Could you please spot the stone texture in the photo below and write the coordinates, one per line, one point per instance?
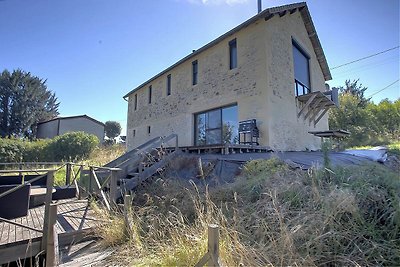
(262, 87)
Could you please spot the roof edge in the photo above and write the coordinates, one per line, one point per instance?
(267, 13)
(72, 117)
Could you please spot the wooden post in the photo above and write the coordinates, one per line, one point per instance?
(80, 181)
(91, 180)
(47, 203)
(113, 187)
(52, 238)
(200, 167)
(127, 208)
(211, 258)
(213, 244)
(68, 173)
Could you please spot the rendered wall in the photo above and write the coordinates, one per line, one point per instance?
(47, 129)
(82, 124)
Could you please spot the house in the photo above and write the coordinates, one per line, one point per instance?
(270, 68)
(60, 125)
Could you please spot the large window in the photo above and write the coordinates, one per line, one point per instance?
(194, 72)
(217, 126)
(232, 54)
(301, 71)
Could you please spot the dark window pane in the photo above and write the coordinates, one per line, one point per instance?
(169, 84)
(301, 67)
(201, 129)
(214, 119)
(230, 125)
(194, 72)
(232, 54)
(135, 102)
(213, 137)
(150, 89)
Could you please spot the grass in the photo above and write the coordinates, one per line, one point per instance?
(270, 216)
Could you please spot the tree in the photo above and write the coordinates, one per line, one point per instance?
(112, 129)
(357, 90)
(24, 101)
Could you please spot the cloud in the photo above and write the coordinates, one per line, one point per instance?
(217, 2)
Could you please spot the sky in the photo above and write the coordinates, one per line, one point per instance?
(93, 52)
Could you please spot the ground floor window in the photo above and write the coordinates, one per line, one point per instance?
(217, 126)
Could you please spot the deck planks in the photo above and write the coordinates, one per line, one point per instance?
(71, 216)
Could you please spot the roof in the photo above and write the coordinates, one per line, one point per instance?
(72, 117)
(266, 14)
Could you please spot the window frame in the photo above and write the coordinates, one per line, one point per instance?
(233, 54)
(168, 84)
(299, 85)
(135, 102)
(210, 129)
(195, 72)
(150, 94)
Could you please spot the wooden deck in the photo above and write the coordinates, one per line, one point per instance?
(75, 220)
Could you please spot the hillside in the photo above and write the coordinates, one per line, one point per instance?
(271, 215)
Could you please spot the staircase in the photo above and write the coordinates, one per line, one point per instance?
(143, 162)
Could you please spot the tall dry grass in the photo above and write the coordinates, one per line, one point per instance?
(270, 216)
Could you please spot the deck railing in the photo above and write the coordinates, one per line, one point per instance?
(73, 173)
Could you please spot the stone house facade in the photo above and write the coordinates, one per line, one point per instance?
(255, 71)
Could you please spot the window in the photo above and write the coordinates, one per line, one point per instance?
(150, 89)
(194, 72)
(134, 133)
(232, 54)
(148, 129)
(301, 70)
(135, 102)
(169, 84)
(217, 126)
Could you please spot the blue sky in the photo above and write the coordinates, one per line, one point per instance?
(93, 52)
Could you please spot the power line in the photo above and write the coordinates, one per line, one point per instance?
(351, 62)
(384, 88)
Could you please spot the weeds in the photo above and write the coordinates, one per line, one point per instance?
(270, 216)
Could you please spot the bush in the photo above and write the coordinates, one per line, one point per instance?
(73, 146)
(69, 146)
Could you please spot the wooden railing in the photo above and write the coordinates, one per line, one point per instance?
(49, 236)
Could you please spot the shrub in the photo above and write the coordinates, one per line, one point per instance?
(70, 146)
(73, 146)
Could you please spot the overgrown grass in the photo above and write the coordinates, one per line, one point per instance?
(270, 216)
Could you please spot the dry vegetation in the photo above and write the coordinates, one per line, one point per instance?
(270, 216)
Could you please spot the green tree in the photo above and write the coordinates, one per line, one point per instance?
(355, 89)
(24, 101)
(352, 117)
(386, 117)
(112, 129)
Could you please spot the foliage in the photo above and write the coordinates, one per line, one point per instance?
(296, 219)
(356, 90)
(112, 129)
(24, 101)
(69, 146)
(368, 123)
(73, 146)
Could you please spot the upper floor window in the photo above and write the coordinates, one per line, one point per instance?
(194, 72)
(301, 70)
(150, 89)
(135, 102)
(232, 54)
(169, 84)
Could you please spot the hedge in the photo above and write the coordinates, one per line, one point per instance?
(67, 147)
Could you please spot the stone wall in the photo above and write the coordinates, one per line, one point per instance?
(261, 86)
